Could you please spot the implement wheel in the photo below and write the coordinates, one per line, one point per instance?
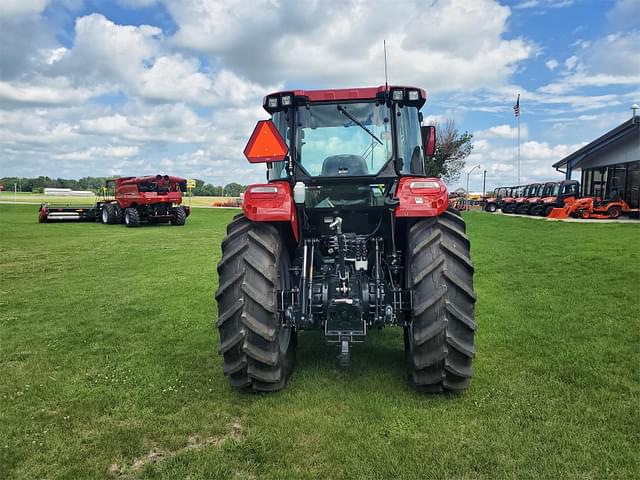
(439, 341)
(131, 217)
(258, 351)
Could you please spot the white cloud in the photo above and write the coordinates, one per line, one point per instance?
(502, 131)
(552, 64)
(44, 91)
(14, 8)
(99, 152)
(624, 15)
(456, 44)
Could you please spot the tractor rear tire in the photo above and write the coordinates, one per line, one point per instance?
(131, 217)
(108, 214)
(439, 341)
(179, 216)
(614, 212)
(258, 351)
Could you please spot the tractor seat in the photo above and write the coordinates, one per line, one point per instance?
(344, 165)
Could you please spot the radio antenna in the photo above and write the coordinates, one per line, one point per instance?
(386, 78)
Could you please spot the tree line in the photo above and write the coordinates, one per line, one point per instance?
(95, 184)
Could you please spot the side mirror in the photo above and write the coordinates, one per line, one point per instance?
(428, 139)
(266, 144)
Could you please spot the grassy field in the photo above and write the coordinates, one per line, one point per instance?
(65, 200)
(109, 364)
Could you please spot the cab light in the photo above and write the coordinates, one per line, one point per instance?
(413, 95)
(397, 95)
(285, 100)
(273, 102)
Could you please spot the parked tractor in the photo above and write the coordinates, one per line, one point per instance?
(589, 207)
(555, 195)
(129, 200)
(349, 235)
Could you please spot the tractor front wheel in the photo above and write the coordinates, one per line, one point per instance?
(258, 349)
(547, 210)
(179, 216)
(131, 217)
(439, 340)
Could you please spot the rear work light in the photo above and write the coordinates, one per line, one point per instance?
(413, 95)
(397, 95)
(285, 100)
(425, 185)
(273, 102)
(263, 189)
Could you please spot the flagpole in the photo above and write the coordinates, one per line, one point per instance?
(516, 111)
(518, 149)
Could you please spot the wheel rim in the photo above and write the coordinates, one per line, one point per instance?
(127, 219)
(105, 215)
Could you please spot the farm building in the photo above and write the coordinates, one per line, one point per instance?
(610, 165)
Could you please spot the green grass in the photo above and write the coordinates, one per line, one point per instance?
(108, 353)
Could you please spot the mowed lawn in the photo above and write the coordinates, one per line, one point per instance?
(109, 365)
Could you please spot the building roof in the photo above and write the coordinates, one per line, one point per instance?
(622, 130)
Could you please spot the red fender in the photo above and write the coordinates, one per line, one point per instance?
(421, 197)
(271, 202)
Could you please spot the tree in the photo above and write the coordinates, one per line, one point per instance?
(452, 149)
(233, 190)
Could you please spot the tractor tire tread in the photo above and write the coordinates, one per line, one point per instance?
(247, 307)
(440, 342)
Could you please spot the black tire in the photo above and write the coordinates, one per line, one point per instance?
(258, 352)
(491, 207)
(439, 341)
(131, 217)
(614, 212)
(179, 216)
(547, 210)
(108, 214)
(119, 214)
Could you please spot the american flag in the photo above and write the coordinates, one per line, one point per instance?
(516, 107)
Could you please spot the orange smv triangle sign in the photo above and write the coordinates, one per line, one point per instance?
(266, 144)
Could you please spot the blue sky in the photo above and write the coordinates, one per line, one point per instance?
(145, 86)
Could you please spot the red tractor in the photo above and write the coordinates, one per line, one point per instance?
(348, 235)
(152, 199)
